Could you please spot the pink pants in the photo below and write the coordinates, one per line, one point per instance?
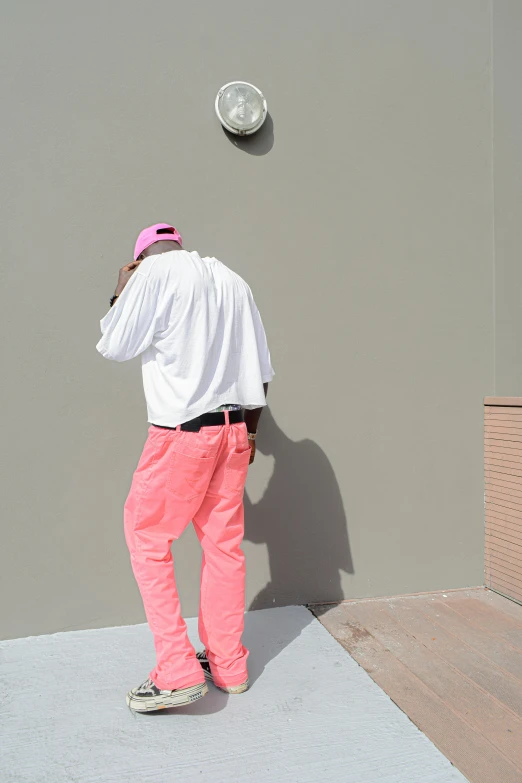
(198, 476)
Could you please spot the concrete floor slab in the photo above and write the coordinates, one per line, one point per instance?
(312, 714)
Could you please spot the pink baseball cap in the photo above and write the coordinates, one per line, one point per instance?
(153, 234)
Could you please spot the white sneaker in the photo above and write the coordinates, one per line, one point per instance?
(205, 665)
(147, 697)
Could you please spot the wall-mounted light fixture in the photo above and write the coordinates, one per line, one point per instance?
(241, 108)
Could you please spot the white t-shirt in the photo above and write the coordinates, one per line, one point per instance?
(199, 333)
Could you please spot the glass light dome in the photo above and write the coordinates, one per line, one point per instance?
(241, 108)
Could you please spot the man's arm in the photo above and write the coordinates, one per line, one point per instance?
(252, 420)
(128, 328)
(124, 276)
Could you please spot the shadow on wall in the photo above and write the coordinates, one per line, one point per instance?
(259, 143)
(302, 521)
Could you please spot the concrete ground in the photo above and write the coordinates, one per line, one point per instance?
(312, 714)
(453, 663)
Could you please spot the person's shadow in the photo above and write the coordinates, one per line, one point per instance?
(301, 519)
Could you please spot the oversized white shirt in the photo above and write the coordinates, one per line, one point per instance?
(198, 330)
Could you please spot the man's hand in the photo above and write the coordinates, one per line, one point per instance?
(125, 275)
(251, 421)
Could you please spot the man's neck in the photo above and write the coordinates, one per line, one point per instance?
(164, 246)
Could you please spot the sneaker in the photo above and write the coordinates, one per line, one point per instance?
(205, 665)
(147, 697)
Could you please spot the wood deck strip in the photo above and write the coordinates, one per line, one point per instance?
(488, 600)
(453, 663)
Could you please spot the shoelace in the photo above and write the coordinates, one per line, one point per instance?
(146, 686)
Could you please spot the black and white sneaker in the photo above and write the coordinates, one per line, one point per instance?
(205, 665)
(147, 697)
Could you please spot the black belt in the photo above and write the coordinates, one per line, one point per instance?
(207, 420)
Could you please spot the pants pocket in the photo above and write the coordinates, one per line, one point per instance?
(236, 470)
(189, 476)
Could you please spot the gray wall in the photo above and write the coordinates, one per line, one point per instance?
(362, 217)
(507, 31)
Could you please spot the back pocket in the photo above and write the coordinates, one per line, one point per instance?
(236, 470)
(189, 476)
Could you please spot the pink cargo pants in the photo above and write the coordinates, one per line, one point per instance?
(198, 477)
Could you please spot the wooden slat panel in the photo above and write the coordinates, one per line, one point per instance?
(503, 517)
(498, 434)
(503, 495)
(502, 419)
(512, 491)
(492, 561)
(502, 423)
(492, 555)
(499, 455)
(512, 502)
(503, 470)
(503, 426)
(502, 451)
(498, 481)
(501, 498)
(511, 579)
(504, 531)
(501, 444)
(492, 464)
(509, 436)
(508, 448)
(490, 413)
(498, 475)
(509, 481)
(503, 416)
(495, 437)
(512, 414)
(503, 401)
(504, 505)
(510, 466)
(493, 575)
(503, 573)
(497, 564)
(501, 535)
(500, 408)
(503, 549)
(506, 580)
(510, 560)
(509, 456)
(502, 594)
(506, 588)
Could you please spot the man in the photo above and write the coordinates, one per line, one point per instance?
(206, 369)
